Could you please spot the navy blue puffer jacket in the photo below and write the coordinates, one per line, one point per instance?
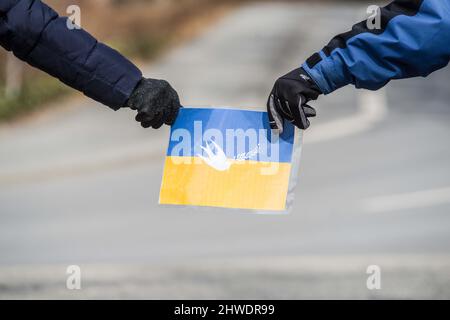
(37, 35)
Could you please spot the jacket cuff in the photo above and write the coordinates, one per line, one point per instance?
(329, 73)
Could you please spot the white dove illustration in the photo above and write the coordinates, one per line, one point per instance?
(217, 158)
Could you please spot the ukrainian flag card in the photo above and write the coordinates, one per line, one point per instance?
(227, 158)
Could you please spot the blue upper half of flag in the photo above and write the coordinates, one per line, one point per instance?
(241, 134)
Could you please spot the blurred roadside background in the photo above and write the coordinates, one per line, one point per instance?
(79, 183)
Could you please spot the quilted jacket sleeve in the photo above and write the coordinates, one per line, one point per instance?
(37, 35)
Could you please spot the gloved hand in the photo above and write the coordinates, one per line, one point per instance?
(288, 100)
(156, 101)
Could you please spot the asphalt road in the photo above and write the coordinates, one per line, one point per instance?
(79, 185)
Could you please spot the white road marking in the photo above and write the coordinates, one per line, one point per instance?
(372, 109)
(412, 200)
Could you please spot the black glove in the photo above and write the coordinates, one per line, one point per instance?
(288, 100)
(156, 101)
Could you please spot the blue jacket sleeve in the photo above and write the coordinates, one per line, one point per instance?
(37, 35)
(414, 40)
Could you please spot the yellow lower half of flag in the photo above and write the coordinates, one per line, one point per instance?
(246, 184)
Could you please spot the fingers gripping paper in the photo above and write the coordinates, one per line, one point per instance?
(231, 159)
